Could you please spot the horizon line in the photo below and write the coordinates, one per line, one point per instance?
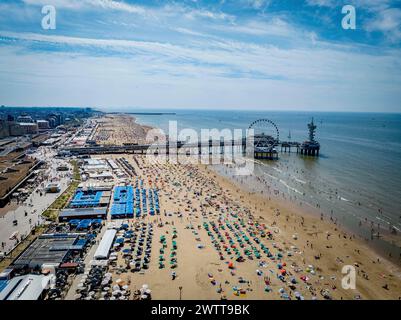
(102, 109)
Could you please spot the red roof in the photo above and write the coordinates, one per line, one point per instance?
(69, 265)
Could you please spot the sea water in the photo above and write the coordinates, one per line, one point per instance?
(356, 180)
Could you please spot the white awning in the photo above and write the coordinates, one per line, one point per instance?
(105, 244)
(29, 287)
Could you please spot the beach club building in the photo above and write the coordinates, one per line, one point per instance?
(129, 202)
(90, 201)
(68, 215)
(123, 202)
(90, 198)
(50, 249)
(27, 287)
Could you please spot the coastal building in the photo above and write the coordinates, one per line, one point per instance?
(4, 129)
(27, 287)
(52, 122)
(43, 124)
(49, 249)
(55, 119)
(14, 175)
(67, 215)
(311, 147)
(264, 147)
(23, 128)
(25, 118)
(90, 198)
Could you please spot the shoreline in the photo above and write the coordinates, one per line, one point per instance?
(306, 209)
(316, 212)
(295, 212)
(310, 212)
(311, 242)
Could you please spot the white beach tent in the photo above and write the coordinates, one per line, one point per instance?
(28, 287)
(105, 244)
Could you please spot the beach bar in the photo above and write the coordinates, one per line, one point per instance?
(82, 213)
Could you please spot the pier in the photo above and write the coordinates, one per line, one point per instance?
(265, 146)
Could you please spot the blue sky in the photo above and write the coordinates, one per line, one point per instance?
(221, 54)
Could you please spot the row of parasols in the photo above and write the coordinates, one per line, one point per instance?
(173, 252)
(138, 253)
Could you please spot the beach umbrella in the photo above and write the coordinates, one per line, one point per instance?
(120, 282)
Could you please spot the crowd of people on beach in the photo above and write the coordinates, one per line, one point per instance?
(241, 243)
(252, 256)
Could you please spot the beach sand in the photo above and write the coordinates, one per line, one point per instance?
(117, 129)
(192, 196)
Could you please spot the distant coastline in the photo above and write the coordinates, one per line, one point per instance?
(145, 113)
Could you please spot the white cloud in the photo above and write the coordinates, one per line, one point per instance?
(208, 62)
(388, 22)
(79, 4)
(372, 5)
(62, 79)
(321, 3)
(210, 66)
(168, 9)
(258, 4)
(276, 26)
(190, 32)
(202, 13)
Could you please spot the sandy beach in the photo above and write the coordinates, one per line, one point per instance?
(216, 240)
(117, 129)
(285, 252)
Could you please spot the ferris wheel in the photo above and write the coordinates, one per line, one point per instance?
(266, 133)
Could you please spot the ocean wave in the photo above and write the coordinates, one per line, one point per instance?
(300, 181)
(378, 218)
(269, 175)
(290, 188)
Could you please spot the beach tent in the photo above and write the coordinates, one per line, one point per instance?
(105, 244)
